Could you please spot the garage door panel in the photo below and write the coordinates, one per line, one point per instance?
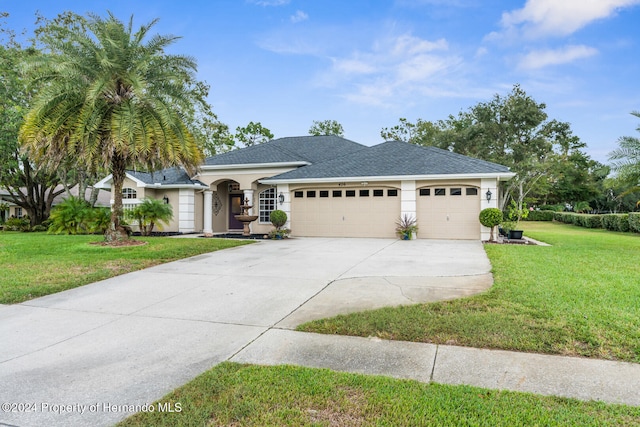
(448, 216)
(359, 216)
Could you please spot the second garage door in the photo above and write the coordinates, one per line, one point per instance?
(448, 212)
(324, 212)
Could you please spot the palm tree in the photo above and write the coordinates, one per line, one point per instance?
(112, 100)
(149, 213)
(626, 159)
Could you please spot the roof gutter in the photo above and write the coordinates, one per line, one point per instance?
(502, 176)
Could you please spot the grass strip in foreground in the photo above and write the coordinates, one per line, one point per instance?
(246, 395)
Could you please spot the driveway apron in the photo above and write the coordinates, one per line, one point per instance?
(94, 355)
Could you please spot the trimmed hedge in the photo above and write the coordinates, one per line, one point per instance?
(613, 222)
(541, 215)
(634, 222)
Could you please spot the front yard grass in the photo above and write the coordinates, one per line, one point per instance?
(246, 395)
(578, 298)
(38, 264)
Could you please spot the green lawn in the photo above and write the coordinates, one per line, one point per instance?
(37, 264)
(245, 395)
(579, 297)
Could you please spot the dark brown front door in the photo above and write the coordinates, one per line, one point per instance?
(235, 201)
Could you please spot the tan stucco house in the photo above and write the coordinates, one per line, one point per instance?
(328, 186)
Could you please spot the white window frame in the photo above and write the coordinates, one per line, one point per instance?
(129, 193)
(267, 203)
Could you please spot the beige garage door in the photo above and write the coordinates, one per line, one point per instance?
(323, 212)
(448, 212)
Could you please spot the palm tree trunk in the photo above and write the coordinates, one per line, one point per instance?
(117, 232)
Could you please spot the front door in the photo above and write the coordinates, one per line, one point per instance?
(235, 201)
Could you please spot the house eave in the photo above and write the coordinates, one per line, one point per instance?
(502, 176)
(105, 184)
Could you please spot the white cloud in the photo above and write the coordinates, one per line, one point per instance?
(394, 69)
(539, 18)
(542, 58)
(299, 16)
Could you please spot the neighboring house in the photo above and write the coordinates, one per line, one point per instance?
(18, 212)
(328, 186)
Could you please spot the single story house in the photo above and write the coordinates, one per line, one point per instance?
(328, 186)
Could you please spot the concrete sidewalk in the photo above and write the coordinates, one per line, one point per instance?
(585, 379)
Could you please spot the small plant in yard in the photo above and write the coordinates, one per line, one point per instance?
(406, 226)
(490, 217)
(149, 213)
(278, 219)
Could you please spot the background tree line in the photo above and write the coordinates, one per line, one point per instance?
(550, 163)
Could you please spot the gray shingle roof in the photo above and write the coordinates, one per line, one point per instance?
(169, 176)
(394, 158)
(310, 149)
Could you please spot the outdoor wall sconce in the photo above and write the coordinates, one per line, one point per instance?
(488, 194)
(281, 198)
(165, 199)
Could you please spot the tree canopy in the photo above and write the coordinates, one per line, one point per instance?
(626, 158)
(114, 97)
(326, 127)
(30, 185)
(252, 134)
(515, 131)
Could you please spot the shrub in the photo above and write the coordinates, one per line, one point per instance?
(634, 222)
(278, 218)
(99, 220)
(279, 233)
(490, 217)
(149, 213)
(609, 221)
(622, 222)
(590, 221)
(17, 224)
(546, 215)
(553, 208)
(39, 228)
(616, 222)
(70, 216)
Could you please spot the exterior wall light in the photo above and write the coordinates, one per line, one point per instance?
(488, 194)
(281, 198)
(165, 199)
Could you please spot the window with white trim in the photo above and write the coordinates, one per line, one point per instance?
(18, 212)
(129, 193)
(267, 204)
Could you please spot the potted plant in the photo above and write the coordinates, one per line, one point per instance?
(406, 227)
(514, 215)
(278, 219)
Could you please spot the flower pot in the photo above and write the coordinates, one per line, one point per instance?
(515, 234)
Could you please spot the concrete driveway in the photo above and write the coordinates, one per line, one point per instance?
(81, 356)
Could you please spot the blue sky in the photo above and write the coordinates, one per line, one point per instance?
(286, 63)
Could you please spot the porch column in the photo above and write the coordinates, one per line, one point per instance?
(286, 205)
(486, 185)
(208, 208)
(186, 210)
(408, 201)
